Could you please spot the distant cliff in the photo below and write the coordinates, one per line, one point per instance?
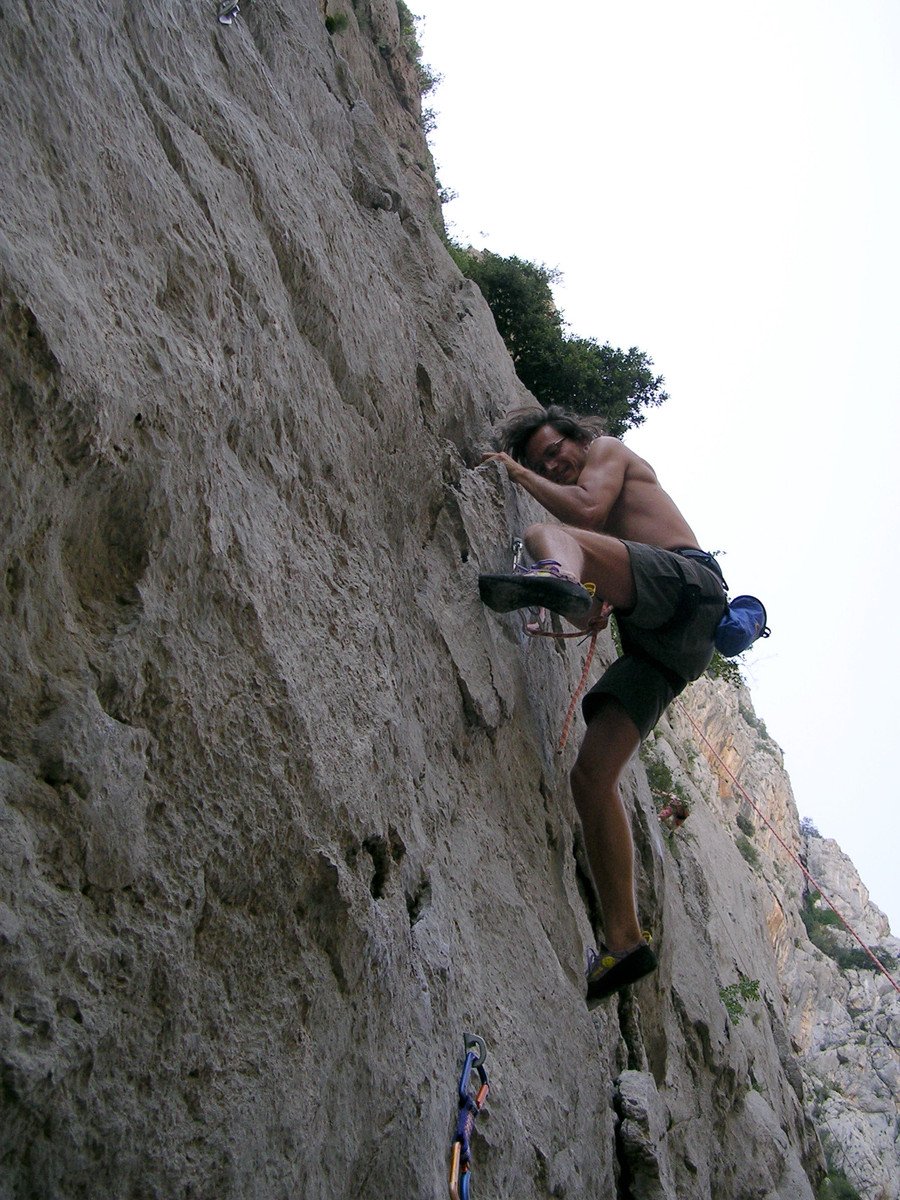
(841, 1013)
(282, 812)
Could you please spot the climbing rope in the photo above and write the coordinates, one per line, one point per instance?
(790, 853)
(582, 682)
(531, 630)
(469, 1108)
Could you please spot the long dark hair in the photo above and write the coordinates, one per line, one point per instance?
(514, 433)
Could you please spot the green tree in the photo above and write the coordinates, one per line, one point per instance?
(578, 373)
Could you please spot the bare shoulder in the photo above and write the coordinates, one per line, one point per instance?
(609, 451)
(606, 450)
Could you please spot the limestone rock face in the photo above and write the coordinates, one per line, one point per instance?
(828, 863)
(282, 812)
(842, 1014)
(849, 1033)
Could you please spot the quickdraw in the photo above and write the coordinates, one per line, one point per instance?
(469, 1108)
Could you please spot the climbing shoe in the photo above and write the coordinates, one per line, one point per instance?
(609, 971)
(543, 585)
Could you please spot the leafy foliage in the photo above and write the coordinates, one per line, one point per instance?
(745, 825)
(425, 77)
(577, 373)
(815, 919)
(736, 994)
(808, 828)
(819, 924)
(826, 916)
(408, 38)
(659, 777)
(748, 850)
(836, 1186)
(725, 668)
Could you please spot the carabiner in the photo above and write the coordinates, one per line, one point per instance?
(472, 1041)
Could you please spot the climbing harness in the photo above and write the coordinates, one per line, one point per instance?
(794, 858)
(228, 10)
(469, 1108)
(743, 619)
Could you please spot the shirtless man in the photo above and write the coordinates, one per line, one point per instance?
(623, 533)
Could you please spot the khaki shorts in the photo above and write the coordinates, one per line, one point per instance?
(657, 663)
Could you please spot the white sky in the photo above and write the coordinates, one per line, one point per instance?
(720, 186)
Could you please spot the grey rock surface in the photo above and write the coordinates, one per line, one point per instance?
(843, 1022)
(282, 810)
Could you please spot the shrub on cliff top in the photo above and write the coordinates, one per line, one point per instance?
(425, 77)
(724, 668)
(576, 372)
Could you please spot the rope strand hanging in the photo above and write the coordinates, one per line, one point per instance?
(533, 629)
(582, 682)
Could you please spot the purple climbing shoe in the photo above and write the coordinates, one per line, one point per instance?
(542, 585)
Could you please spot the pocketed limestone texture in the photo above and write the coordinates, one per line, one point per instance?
(282, 815)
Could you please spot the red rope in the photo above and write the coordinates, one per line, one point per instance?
(818, 887)
(582, 682)
(576, 695)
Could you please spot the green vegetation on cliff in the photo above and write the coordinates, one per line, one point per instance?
(836, 1186)
(578, 373)
(821, 921)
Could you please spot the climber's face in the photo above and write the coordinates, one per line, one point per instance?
(554, 455)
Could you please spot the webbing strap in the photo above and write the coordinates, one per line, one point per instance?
(691, 597)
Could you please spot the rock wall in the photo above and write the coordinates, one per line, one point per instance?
(843, 1022)
(846, 1027)
(282, 811)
